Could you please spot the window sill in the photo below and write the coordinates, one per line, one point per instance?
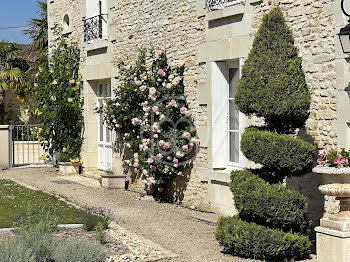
(223, 176)
(96, 44)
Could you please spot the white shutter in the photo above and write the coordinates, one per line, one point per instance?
(219, 92)
(242, 123)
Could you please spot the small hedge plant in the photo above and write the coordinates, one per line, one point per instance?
(270, 205)
(282, 152)
(251, 240)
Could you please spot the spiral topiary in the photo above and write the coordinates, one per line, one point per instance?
(272, 86)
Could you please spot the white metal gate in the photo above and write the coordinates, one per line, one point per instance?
(24, 145)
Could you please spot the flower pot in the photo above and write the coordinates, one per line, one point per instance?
(113, 182)
(68, 168)
(332, 175)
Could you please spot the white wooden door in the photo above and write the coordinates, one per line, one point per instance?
(104, 139)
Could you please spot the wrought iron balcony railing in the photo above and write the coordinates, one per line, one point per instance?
(218, 4)
(93, 27)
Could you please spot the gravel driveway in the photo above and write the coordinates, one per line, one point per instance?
(177, 229)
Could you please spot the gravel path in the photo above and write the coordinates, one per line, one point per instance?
(179, 230)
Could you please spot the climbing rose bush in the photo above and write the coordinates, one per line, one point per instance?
(151, 116)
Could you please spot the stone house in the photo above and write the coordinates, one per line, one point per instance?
(213, 38)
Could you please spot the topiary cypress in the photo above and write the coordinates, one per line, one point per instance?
(273, 83)
(272, 86)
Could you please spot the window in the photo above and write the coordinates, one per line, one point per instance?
(227, 121)
(219, 4)
(95, 23)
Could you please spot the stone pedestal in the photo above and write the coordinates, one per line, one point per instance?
(333, 236)
(332, 245)
(113, 182)
(68, 168)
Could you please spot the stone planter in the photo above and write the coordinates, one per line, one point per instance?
(113, 182)
(331, 175)
(68, 168)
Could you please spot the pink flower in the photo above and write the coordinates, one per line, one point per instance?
(167, 145)
(169, 158)
(144, 172)
(152, 90)
(162, 117)
(339, 161)
(171, 77)
(136, 164)
(188, 113)
(142, 88)
(150, 181)
(153, 168)
(176, 161)
(138, 82)
(185, 148)
(161, 72)
(144, 78)
(173, 102)
(155, 136)
(157, 52)
(319, 160)
(183, 110)
(176, 81)
(186, 135)
(146, 108)
(136, 170)
(179, 155)
(150, 160)
(169, 85)
(155, 109)
(161, 143)
(159, 156)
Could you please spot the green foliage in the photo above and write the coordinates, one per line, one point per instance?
(100, 233)
(13, 252)
(93, 217)
(80, 251)
(281, 152)
(251, 240)
(273, 83)
(58, 102)
(269, 205)
(40, 245)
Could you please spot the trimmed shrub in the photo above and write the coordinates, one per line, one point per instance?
(273, 83)
(91, 217)
(80, 251)
(245, 239)
(282, 152)
(270, 205)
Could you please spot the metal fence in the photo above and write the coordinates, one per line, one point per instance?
(25, 146)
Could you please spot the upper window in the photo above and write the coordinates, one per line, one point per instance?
(95, 23)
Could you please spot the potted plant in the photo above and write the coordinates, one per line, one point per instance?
(113, 181)
(69, 164)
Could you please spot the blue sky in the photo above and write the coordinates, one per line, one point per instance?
(16, 13)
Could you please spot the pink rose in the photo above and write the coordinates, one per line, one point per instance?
(167, 145)
(155, 136)
(146, 108)
(179, 155)
(144, 78)
(162, 117)
(153, 168)
(144, 172)
(169, 85)
(171, 77)
(150, 160)
(159, 156)
(157, 52)
(186, 135)
(142, 88)
(136, 164)
(185, 148)
(155, 109)
(136, 170)
(152, 90)
(191, 144)
(169, 158)
(138, 82)
(173, 102)
(161, 72)
(183, 110)
(188, 113)
(161, 143)
(176, 161)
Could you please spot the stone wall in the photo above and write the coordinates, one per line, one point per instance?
(173, 25)
(313, 24)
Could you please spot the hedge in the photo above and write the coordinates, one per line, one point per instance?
(282, 152)
(250, 240)
(270, 205)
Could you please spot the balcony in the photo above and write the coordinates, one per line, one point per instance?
(212, 5)
(95, 28)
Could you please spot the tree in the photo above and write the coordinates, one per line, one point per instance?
(272, 86)
(38, 29)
